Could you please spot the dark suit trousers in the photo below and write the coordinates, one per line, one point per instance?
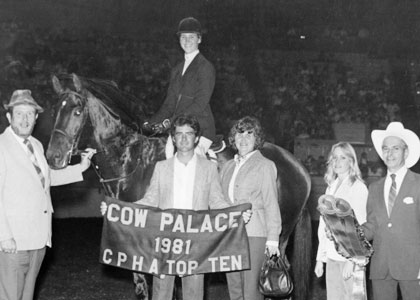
(243, 285)
(192, 287)
(18, 273)
(386, 289)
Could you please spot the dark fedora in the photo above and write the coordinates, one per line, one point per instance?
(20, 97)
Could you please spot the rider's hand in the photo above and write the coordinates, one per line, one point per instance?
(103, 208)
(147, 127)
(8, 246)
(158, 128)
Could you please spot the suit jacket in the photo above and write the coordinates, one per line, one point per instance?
(190, 93)
(396, 238)
(207, 190)
(25, 205)
(256, 184)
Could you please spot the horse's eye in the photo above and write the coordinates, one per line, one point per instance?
(63, 103)
(77, 112)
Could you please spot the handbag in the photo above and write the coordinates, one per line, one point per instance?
(275, 280)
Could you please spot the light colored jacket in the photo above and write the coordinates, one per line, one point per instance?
(256, 184)
(207, 190)
(25, 205)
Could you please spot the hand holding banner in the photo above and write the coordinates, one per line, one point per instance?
(173, 241)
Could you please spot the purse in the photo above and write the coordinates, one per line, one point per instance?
(275, 280)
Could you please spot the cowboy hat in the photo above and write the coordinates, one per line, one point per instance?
(409, 137)
(20, 97)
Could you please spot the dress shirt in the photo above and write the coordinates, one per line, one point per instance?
(240, 160)
(184, 183)
(188, 59)
(38, 156)
(399, 177)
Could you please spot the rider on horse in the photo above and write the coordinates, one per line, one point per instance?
(190, 89)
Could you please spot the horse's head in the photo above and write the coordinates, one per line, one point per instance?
(72, 114)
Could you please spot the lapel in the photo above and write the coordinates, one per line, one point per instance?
(168, 172)
(193, 65)
(381, 198)
(407, 183)
(20, 154)
(248, 166)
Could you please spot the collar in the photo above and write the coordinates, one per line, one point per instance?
(399, 175)
(193, 160)
(21, 140)
(191, 56)
(242, 159)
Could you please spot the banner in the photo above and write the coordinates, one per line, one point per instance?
(174, 241)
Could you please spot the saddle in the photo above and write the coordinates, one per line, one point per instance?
(218, 144)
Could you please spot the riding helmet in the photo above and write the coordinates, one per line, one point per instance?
(189, 25)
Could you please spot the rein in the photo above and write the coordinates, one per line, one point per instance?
(103, 180)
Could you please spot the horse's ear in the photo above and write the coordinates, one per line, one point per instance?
(77, 83)
(56, 84)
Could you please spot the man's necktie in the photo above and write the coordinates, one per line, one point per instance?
(34, 161)
(392, 194)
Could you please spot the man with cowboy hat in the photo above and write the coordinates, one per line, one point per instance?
(393, 216)
(25, 201)
(190, 88)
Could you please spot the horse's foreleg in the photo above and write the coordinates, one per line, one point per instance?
(301, 256)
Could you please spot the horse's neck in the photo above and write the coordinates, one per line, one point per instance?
(106, 125)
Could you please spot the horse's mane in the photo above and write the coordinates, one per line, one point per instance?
(124, 105)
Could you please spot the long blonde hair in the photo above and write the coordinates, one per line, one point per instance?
(354, 172)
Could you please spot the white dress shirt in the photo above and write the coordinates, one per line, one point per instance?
(184, 183)
(188, 59)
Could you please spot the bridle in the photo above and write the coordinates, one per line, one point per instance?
(74, 151)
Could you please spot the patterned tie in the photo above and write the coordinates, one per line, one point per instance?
(392, 194)
(34, 161)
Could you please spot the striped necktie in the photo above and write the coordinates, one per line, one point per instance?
(392, 194)
(34, 161)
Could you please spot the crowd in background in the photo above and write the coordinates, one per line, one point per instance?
(299, 98)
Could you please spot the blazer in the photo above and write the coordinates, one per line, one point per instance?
(396, 238)
(207, 191)
(190, 93)
(25, 205)
(256, 183)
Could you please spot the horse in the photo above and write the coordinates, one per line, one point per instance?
(96, 113)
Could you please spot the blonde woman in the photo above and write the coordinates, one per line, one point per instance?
(344, 181)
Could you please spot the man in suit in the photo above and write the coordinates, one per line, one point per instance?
(25, 201)
(190, 89)
(185, 181)
(393, 216)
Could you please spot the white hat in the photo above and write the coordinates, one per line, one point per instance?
(409, 137)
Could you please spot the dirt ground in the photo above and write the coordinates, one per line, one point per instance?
(71, 269)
